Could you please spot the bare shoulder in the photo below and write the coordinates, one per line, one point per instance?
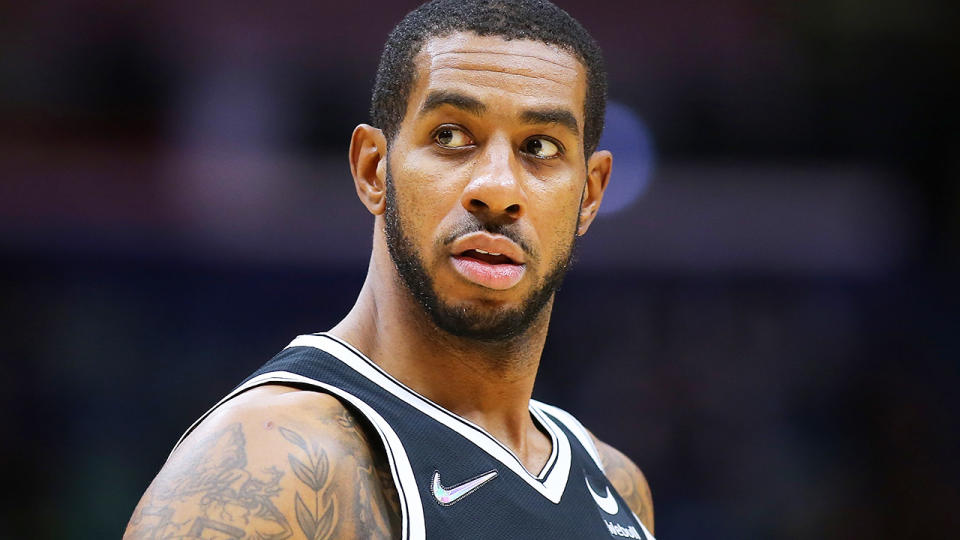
(277, 463)
(628, 480)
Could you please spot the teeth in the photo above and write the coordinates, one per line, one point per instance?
(486, 252)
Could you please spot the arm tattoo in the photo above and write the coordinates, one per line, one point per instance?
(376, 504)
(341, 486)
(316, 522)
(629, 482)
(373, 512)
(209, 493)
(380, 513)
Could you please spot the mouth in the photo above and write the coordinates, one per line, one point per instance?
(486, 256)
(488, 269)
(491, 261)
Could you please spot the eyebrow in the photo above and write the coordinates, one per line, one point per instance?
(474, 106)
(463, 102)
(552, 116)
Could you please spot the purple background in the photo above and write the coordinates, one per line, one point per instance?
(765, 318)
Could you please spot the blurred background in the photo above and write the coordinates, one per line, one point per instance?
(765, 318)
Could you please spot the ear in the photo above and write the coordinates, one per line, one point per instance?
(598, 176)
(368, 165)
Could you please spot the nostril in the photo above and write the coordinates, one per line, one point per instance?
(477, 203)
(513, 209)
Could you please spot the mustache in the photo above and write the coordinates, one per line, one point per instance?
(472, 225)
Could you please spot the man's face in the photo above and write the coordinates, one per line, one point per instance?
(485, 180)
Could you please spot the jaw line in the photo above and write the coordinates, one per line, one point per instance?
(456, 320)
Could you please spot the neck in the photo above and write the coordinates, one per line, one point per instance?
(488, 383)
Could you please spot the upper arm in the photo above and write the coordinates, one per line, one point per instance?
(628, 480)
(272, 463)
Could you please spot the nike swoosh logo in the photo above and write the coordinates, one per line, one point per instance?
(449, 495)
(607, 503)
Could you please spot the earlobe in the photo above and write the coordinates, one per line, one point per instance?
(368, 165)
(599, 167)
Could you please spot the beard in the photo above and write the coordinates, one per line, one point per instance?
(470, 321)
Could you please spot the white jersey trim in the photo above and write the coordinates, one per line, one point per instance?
(644, 527)
(575, 427)
(555, 473)
(586, 440)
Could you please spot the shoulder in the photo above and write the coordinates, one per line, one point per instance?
(273, 462)
(628, 480)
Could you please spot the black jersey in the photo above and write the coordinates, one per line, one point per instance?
(454, 480)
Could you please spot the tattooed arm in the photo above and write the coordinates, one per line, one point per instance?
(273, 463)
(628, 480)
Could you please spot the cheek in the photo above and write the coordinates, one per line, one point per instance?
(426, 194)
(555, 208)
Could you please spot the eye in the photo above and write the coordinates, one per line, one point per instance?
(542, 147)
(451, 137)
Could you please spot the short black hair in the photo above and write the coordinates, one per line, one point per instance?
(537, 20)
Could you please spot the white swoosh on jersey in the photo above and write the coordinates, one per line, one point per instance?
(450, 495)
(608, 504)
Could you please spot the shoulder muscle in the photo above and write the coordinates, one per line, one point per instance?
(628, 480)
(273, 463)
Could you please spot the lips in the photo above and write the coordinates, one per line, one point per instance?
(487, 257)
(491, 261)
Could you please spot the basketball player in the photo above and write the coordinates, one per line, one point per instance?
(412, 417)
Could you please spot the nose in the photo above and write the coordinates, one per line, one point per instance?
(495, 191)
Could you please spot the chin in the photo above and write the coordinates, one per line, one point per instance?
(483, 301)
(483, 319)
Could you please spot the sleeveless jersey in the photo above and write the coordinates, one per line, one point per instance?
(455, 480)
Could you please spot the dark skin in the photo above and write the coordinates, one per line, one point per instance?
(493, 129)
(275, 462)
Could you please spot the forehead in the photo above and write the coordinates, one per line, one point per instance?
(523, 72)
